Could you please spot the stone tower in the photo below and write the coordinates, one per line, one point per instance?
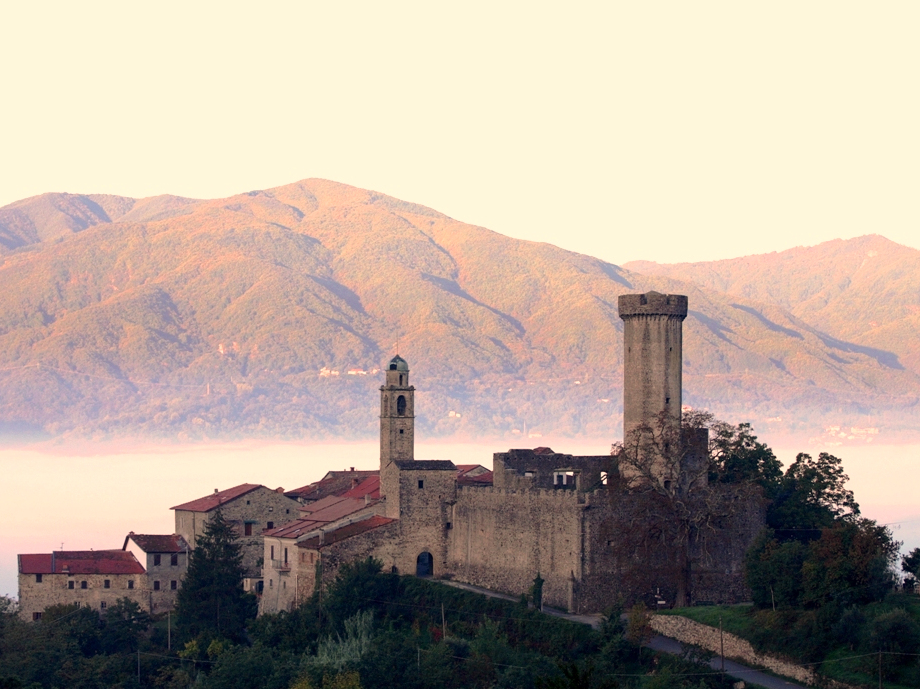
(653, 357)
(397, 413)
(397, 430)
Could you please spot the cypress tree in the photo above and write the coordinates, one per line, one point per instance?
(211, 602)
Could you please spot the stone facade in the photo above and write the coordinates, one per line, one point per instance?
(97, 579)
(251, 508)
(165, 559)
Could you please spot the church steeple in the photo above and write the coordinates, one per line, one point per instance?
(397, 414)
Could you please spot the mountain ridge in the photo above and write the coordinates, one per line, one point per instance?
(195, 318)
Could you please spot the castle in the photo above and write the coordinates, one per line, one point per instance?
(596, 530)
(566, 519)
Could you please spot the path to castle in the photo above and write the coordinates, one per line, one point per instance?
(659, 643)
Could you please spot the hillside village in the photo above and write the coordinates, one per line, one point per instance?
(538, 514)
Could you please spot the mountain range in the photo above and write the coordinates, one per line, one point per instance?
(267, 314)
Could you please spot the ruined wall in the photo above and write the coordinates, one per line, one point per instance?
(34, 597)
(500, 540)
(527, 470)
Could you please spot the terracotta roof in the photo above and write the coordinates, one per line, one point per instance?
(347, 531)
(332, 508)
(81, 562)
(369, 487)
(484, 479)
(293, 529)
(215, 500)
(173, 543)
(425, 464)
(333, 483)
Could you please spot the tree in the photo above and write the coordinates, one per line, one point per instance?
(910, 563)
(811, 495)
(211, 603)
(673, 507)
(736, 456)
(125, 621)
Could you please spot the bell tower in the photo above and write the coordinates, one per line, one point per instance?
(397, 414)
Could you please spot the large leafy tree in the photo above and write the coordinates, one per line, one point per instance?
(736, 456)
(674, 506)
(212, 603)
(812, 495)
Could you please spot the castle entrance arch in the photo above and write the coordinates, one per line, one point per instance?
(424, 565)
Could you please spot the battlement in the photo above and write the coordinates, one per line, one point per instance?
(652, 304)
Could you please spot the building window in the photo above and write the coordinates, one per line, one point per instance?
(107, 584)
(247, 529)
(102, 605)
(271, 525)
(449, 525)
(174, 559)
(421, 483)
(156, 560)
(287, 511)
(273, 552)
(173, 585)
(83, 585)
(284, 584)
(401, 431)
(70, 584)
(36, 616)
(401, 405)
(38, 578)
(271, 583)
(247, 502)
(285, 556)
(156, 586)
(130, 583)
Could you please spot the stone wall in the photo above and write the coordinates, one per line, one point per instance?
(689, 632)
(34, 597)
(425, 518)
(501, 539)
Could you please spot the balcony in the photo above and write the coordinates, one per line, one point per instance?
(281, 566)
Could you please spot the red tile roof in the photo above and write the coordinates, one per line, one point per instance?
(344, 532)
(333, 483)
(293, 529)
(81, 562)
(173, 543)
(369, 487)
(215, 500)
(483, 479)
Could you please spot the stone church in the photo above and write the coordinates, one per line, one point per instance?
(566, 519)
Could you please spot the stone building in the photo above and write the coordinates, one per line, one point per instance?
(93, 578)
(165, 561)
(565, 518)
(252, 508)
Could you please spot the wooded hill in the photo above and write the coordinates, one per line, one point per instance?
(181, 318)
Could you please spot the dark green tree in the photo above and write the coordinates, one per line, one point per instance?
(910, 563)
(812, 495)
(125, 622)
(211, 603)
(736, 456)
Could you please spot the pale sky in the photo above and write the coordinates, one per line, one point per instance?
(660, 130)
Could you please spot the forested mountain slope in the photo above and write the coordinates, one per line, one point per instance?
(181, 318)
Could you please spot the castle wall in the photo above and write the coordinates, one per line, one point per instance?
(500, 540)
